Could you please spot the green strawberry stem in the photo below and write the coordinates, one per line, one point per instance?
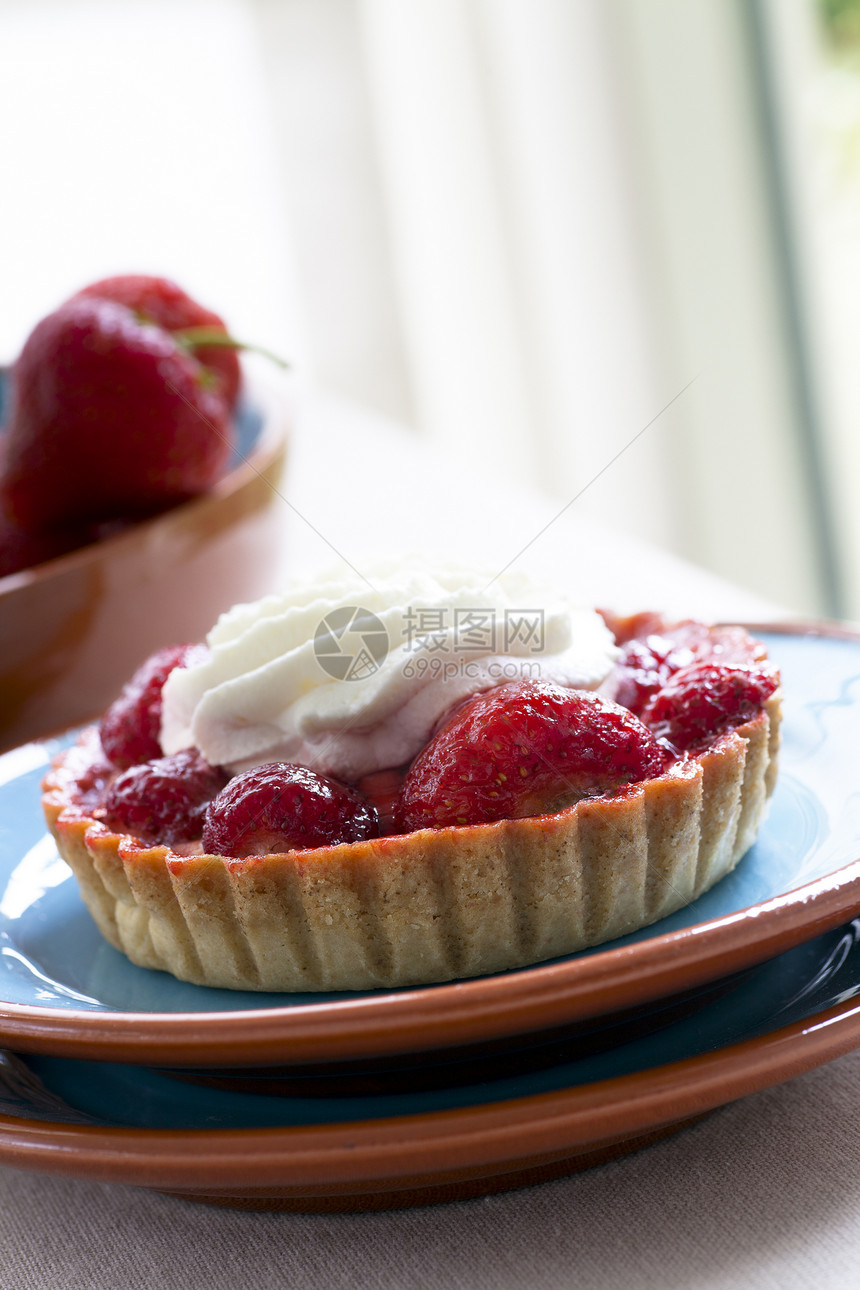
(192, 338)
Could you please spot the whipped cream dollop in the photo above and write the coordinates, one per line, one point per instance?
(350, 677)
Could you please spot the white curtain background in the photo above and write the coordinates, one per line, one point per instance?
(580, 220)
(817, 111)
(547, 235)
(516, 247)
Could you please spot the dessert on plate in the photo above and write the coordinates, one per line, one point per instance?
(420, 778)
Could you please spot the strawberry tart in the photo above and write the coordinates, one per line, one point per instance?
(429, 777)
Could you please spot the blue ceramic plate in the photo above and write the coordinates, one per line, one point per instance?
(63, 989)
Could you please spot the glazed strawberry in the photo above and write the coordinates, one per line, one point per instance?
(109, 417)
(160, 301)
(163, 801)
(705, 700)
(285, 807)
(130, 730)
(525, 748)
(648, 660)
(646, 665)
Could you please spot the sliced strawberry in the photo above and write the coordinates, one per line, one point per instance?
(282, 806)
(130, 730)
(526, 748)
(703, 701)
(165, 800)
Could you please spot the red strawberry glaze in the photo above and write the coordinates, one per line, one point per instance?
(382, 790)
(85, 773)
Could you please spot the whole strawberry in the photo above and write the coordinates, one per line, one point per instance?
(163, 801)
(521, 749)
(130, 730)
(282, 806)
(111, 416)
(160, 301)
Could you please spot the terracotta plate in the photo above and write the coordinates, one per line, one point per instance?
(65, 991)
(134, 1125)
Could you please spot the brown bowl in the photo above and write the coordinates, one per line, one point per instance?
(73, 630)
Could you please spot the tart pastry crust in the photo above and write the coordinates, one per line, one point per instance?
(429, 906)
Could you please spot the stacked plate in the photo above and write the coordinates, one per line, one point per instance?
(410, 1096)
